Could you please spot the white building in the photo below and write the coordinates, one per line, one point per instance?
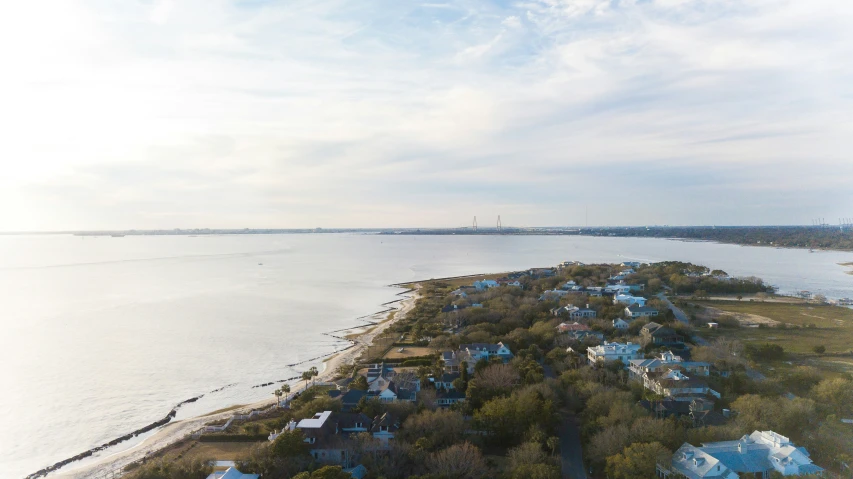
(624, 352)
(635, 311)
(620, 324)
(485, 284)
(753, 455)
(628, 300)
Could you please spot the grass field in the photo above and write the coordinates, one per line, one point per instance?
(833, 326)
(408, 352)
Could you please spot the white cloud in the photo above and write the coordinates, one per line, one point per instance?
(211, 113)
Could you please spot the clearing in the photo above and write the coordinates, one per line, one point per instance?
(408, 352)
(799, 327)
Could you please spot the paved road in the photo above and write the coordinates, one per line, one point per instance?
(679, 314)
(571, 454)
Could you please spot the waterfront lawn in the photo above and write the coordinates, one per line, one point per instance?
(800, 314)
(812, 325)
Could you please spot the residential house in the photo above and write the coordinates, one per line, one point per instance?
(614, 352)
(326, 444)
(568, 285)
(451, 361)
(673, 383)
(574, 312)
(453, 308)
(485, 284)
(386, 390)
(542, 272)
(384, 427)
(699, 410)
(445, 381)
(460, 293)
(576, 326)
(620, 324)
(618, 289)
(552, 294)
(515, 284)
(595, 336)
(478, 351)
(628, 300)
(445, 398)
(631, 264)
(654, 333)
(665, 360)
(351, 398)
(754, 455)
(635, 311)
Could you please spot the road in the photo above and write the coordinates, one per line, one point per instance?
(571, 452)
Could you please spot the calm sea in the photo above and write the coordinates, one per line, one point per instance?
(101, 336)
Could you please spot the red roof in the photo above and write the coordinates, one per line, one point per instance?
(572, 327)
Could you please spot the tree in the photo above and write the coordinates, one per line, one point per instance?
(526, 454)
(637, 461)
(285, 390)
(438, 429)
(289, 444)
(359, 383)
(306, 376)
(835, 394)
(277, 393)
(183, 469)
(460, 461)
(459, 384)
(819, 349)
(553, 444)
(536, 471)
(325, 472)
(314, 373)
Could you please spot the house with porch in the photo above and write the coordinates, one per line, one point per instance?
(754, 455)
(628, 300)
(654, 333)
(623, 352)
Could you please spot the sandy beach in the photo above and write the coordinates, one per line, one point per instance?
(110, 464)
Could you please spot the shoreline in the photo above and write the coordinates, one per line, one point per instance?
(172, 432)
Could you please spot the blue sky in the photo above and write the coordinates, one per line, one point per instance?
(207, 113)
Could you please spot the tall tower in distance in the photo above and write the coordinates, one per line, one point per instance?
(500, 228)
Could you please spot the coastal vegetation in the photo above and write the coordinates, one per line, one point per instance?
(774, 376)
(834, 238)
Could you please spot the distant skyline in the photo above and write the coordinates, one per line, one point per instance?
(303, 114)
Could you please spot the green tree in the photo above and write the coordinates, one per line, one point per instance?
(325, 472)
(359, 383)
(637, 461)
(536, 471)
(819, 349)
(285, 390)
(289, 444)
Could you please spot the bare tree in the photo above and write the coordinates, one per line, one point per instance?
(462, 461)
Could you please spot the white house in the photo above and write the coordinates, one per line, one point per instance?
(485, 284)
(635, 311)
(620, 324)
(639, 367)
(569, 285)
(552, 294)
(614, 352)
(628, 300)
(478, 351)
(753, 455)
(515, 283)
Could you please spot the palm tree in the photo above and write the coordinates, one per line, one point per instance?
(277, 394)
(306, 376)
(285, 389)
(314, 374)
(553, 443)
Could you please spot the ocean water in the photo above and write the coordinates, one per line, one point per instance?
(102, 336)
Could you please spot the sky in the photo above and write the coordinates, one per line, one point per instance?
(327, 113)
